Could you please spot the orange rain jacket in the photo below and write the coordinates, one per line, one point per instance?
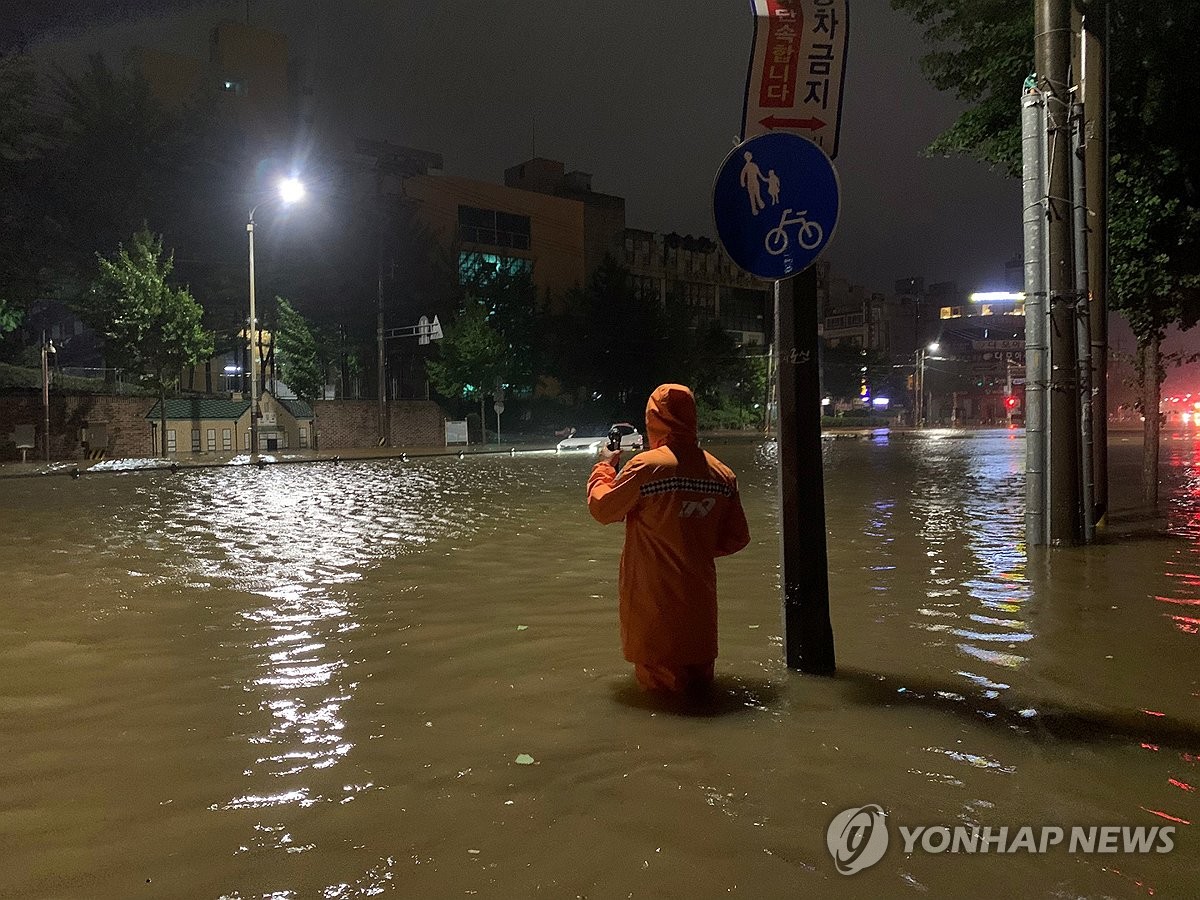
(682, 510)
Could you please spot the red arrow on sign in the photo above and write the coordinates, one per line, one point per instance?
(774, 122)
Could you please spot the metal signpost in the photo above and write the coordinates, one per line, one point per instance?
(776, 203)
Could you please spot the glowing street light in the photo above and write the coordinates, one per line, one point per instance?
(996, 296)
(291, 190)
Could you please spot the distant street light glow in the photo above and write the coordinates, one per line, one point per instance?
(935, 347)
(996, 296)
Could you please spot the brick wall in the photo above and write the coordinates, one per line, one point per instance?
(124, 417)
(355, 423)
(340, 423)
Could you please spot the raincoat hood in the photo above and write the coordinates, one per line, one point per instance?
(671, 416)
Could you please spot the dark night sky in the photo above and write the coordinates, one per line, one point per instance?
(646, 96)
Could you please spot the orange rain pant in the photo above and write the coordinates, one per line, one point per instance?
(674, 679)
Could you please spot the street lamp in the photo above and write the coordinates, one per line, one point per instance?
(48, 350)
(291, 190)
(919, 384)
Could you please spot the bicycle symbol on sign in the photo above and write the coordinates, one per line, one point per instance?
(808, 235)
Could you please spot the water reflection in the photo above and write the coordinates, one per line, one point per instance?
(292, 541)
(314, 681)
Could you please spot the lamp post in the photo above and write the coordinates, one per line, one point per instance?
(919, 384)
(48, 350)
(291, 190)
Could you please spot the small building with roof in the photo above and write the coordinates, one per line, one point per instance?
(222, 425)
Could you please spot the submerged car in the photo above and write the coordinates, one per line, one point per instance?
(593, 440)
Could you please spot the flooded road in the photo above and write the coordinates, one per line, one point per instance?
(317, 680)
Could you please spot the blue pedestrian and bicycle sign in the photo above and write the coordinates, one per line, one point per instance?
(776, 204)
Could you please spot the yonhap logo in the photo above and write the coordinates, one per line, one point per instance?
(857, 838)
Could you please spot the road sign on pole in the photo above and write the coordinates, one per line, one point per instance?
(775, 202)
(797, 70)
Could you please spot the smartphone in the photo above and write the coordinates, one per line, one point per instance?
(614, 439)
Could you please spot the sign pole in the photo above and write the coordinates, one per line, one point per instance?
(807, 630)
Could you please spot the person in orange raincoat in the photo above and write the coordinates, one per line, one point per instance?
(682, 510)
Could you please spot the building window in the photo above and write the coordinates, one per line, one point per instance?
(226, 439)
(170, 440)
(246, 439)
(489, 226)
(696, 296)
(303, 436)
(195, 440)
(476, 267)
(645, 287)
(211, 443)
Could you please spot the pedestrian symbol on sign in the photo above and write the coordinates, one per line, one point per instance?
(795, 223)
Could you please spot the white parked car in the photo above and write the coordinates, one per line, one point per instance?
(631, 440)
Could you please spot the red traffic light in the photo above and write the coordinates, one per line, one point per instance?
(1010, 402)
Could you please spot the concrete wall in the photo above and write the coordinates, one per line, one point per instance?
(340, 424)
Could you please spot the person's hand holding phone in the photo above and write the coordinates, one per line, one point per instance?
(610, 452)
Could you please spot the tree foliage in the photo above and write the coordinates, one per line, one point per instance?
(471, 356)
(296, 353)
(982, 51)
(1154, 202)
(149, 327)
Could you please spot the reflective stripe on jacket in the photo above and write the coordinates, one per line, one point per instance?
(682, 510)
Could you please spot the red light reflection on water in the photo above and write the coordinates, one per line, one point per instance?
(1184, 519)
(1186, 625)
(1182, 785)
(1163, 815)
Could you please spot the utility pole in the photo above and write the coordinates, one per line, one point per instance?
(390, 164)
(1094, 66)
(808, 632)
(1052, 47)
(381, 358)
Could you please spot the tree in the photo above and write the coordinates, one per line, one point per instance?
(10, 317)
(1151, 278)
(471, 357)
(106, 171)
(148, 326)
(295, 350)
(23, 140)
(1154, 202)
(624, 343)
(983, 52)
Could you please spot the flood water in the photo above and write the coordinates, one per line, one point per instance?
(316, 680)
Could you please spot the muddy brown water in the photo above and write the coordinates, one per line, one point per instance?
(316, 681)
